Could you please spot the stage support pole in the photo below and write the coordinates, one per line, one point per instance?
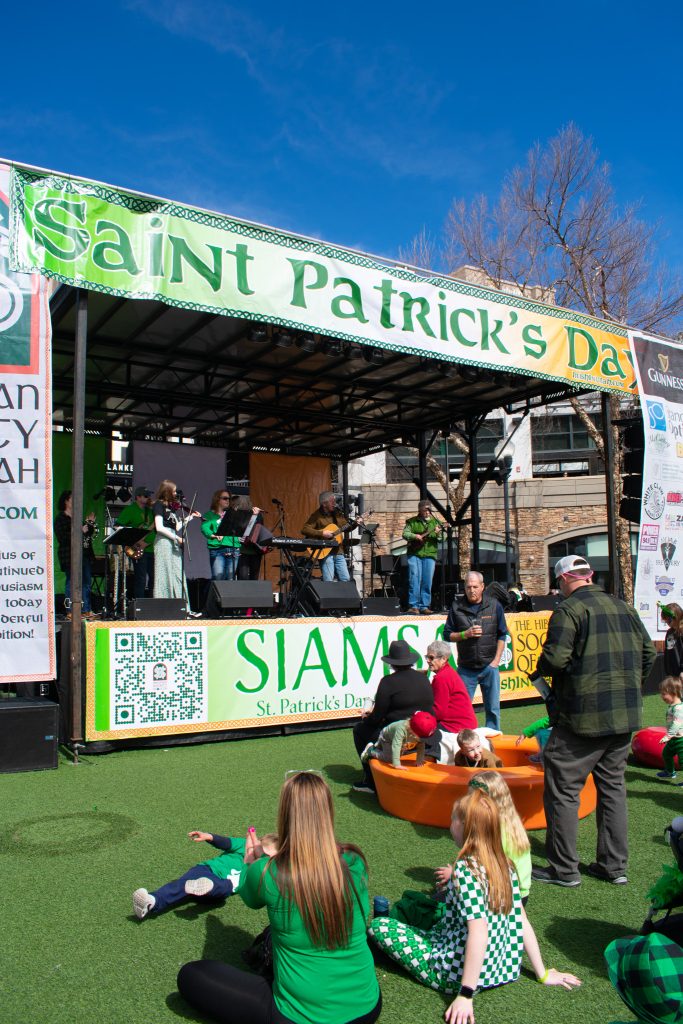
(608, 436)
(422, 464)
(77, 472)
(474, 490)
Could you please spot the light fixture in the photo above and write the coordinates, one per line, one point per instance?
(308, 343)
(332, 347)
(283, 339)
(123, 495)
(259, 334)
(373, 355)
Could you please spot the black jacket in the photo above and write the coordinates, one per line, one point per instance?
(477, 652)
(399, 695)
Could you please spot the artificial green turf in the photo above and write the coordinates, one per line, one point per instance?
(76, 842)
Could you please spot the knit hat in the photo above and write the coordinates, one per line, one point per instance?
(423, 724)
(646, 972)
(571, 563)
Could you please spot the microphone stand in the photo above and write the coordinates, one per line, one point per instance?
(280, 525)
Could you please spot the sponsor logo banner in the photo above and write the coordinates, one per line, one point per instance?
(169, 678)
(659, 371)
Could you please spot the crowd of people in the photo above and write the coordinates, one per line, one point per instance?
(471, 932)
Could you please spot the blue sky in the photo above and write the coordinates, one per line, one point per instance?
(357, 123)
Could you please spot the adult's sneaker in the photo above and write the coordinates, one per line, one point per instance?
(550, 877)
(363, 786)
(595, 871)
(143, 902)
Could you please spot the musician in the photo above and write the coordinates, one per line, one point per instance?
(170, 522)
(62, 527)
(247, 516)
(224, 551)
(422, 534)
(326, 521)
(138, 515)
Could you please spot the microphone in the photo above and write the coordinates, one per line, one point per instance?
(275, 501)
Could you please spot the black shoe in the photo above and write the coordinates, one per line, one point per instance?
(363, 786)
(550, 877)
(595, 871)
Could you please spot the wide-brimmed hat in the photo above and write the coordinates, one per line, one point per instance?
(646, 971)
(571, 563)
(400, 654)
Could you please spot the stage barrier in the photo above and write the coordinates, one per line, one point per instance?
(174, 678)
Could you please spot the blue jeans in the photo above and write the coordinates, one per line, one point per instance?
(420, 576)
(335, 565)
(223, 563)
(488, 679)
(174, 892)
(86, 585)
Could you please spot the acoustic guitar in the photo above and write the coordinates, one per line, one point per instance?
(336, 535)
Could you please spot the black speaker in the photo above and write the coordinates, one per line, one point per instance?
(335, 596)
(161, 608)
(28, 735)
(385, 564)
(227, 595)
(546, 602)
(381, 606)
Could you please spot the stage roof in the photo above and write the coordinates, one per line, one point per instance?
(154, 370)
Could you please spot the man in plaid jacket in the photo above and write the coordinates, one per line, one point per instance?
(599, 656)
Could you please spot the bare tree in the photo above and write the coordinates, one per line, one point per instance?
(422, 251)
(557, 223)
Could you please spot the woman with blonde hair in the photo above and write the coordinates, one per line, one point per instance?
(315, 891)
(170, 524)
(478, 942)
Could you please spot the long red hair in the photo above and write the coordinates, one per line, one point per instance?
(482, 848)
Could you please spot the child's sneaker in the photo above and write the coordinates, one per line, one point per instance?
(666, 775)
(198, 886)
(367, 753)
(143, 902)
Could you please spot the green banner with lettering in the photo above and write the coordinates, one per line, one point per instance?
(103, 238)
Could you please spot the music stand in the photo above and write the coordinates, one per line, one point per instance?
(125, 537)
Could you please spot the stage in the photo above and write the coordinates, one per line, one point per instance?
(190, 679)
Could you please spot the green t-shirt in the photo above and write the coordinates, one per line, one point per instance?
(133, 515)
(313, 985)
(229, 863)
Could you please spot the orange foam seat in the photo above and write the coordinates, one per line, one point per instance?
(426, 795)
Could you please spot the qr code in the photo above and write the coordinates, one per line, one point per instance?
(159, 677)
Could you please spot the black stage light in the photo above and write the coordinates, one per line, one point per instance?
(283, 339)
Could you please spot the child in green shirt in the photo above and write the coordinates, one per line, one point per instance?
(400, 737)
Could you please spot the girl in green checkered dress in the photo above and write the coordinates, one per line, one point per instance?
(478, 942)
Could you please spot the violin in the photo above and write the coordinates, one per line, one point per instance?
(185, 510)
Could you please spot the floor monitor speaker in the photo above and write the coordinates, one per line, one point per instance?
(381, 606)
(28, 735)
(226, 596)
(157, 608)
(335, 596)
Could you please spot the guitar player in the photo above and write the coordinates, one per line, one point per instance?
(422, 534)
(329, 521)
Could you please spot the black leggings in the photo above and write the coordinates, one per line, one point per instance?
(232, 996)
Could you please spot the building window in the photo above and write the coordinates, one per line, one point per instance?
(594, 548)
(561, 445)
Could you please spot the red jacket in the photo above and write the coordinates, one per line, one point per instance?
(452, 705)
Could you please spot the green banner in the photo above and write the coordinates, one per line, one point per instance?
(170, 678)
(98, 237)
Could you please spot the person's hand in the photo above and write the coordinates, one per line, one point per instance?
(200, 837)
(519, 739)
(180, 541)
(495, 663)
(255, 510)
(461, 1011)
(442, 876)
(562, 978)
(474, 630)
(253, 848)
(664, 739)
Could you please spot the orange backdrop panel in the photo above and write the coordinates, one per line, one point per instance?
(296, 481)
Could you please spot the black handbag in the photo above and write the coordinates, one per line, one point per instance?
(259, 956)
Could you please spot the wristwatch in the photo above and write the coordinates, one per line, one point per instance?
(466, 991)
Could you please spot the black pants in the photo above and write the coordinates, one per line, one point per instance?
(249, 565)
(364, 733)
(232, 996)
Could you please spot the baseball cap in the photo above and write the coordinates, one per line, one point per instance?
(571, 563)
(142, 492)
